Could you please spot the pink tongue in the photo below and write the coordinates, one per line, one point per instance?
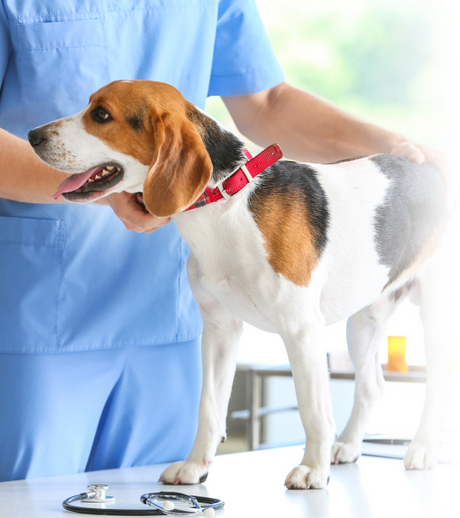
(74, 182)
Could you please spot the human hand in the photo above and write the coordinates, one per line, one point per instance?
(133, 215)
(420, 153)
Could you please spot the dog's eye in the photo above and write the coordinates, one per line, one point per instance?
(100, 115)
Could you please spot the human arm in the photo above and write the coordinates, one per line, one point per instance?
(310, 129)
(23, 176)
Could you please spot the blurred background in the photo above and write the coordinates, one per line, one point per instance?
(394, 63)
(387, 61)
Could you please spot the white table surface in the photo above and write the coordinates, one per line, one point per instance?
(251, 484)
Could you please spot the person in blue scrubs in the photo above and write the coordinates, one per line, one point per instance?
(99, 344)
(99, 334)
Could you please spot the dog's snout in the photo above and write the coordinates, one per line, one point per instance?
(36, 137)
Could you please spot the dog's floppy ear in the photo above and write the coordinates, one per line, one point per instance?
(180, 169)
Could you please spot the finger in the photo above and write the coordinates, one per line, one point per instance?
(410, 151)
(162, 223)
(146, 227)
(131, 227)
(149, 223)
(417, 156)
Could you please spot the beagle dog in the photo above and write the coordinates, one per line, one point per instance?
(299, 247)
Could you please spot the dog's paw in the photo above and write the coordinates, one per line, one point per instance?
(305, 477)
(343, 452)
(184, 473)
(420, 456)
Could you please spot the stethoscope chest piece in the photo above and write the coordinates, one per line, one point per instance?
(97, 494)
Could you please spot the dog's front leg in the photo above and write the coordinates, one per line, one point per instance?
(221, 334)
(309, 369)
(219, 347)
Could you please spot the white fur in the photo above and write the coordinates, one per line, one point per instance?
(355, 276)
(233, 282)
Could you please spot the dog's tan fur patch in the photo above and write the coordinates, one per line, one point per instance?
(288, 236)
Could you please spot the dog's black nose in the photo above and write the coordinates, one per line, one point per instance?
(36, 137)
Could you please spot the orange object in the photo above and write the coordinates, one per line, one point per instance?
(397, 354)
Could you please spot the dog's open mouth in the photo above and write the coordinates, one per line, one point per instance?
(91, 184)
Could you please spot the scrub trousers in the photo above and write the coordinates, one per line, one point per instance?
(84, 411)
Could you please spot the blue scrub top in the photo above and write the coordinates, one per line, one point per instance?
(72, 278)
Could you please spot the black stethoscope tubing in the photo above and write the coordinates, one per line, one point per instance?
(210, 502)
(114, 512)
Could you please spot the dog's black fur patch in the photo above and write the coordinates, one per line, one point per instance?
(224, 148)
(286, 177)
(413, 214)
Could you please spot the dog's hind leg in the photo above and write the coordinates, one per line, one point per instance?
(366, 330)
(436, 319)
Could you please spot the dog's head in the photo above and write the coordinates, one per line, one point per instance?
(134, 136)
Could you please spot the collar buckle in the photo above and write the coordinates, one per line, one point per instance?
(222, 191)
(247, 173)
(221, 187)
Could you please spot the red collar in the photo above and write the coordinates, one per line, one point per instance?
(240, 178)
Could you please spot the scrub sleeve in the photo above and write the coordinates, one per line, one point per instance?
(99, 345)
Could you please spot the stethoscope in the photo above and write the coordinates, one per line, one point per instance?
(164, 503)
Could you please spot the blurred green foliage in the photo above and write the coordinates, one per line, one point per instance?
(378, 59)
